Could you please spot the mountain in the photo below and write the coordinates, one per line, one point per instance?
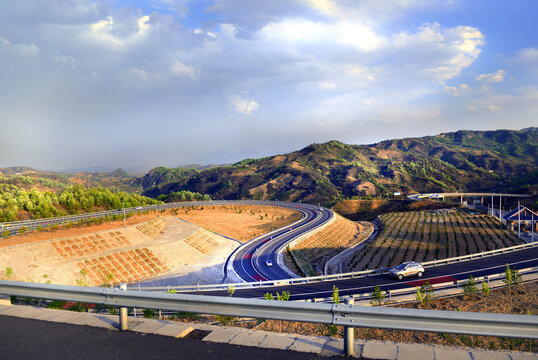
(501, 160)
(26, 178)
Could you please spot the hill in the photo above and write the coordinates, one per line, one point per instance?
(27, 178)
(501, 160)
(28, 193)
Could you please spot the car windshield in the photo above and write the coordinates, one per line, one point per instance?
(400, 267)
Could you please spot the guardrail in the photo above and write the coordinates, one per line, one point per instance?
(348, 315)
(343, 276)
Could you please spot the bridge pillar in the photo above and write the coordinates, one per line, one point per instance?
(500, 208)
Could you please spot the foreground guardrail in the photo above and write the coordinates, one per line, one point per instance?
(348, 315)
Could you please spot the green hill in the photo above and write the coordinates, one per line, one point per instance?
(501, 160)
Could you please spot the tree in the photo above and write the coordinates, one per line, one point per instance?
(485, 291)
(377, 296)
(335, 296)
(470, 286)
(511, 278)
(424, 293)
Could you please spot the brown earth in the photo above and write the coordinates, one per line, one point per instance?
(64, 232)
(240, 222)
(237, 222)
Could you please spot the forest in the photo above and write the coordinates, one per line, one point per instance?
(17, 203)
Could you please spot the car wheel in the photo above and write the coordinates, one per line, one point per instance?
(400, 277)
(419, 274)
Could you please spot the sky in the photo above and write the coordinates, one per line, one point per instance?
(145, 83)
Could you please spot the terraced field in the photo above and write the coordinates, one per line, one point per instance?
(310, 252)
(428, 235)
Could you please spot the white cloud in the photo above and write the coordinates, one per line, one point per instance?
(181, 70)
(529, 54)
(24, 50)
(301, 32)
(497, 76)
(243, 103)
(438, 53)
(127, 31)
(457, 91)
(528, 58)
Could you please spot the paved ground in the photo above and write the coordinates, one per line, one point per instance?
(34, 339)
(28, 332)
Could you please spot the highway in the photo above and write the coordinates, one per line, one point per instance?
(485, 266)
(250, 260)
(257, 259)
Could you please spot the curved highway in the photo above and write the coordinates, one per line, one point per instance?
(257, 259)
(521, 259)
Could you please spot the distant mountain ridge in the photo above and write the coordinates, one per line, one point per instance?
(117, 179)
(499, 160)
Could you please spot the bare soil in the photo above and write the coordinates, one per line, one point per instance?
(240, 222)
(76, 230)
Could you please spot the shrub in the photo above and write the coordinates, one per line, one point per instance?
(335, 295)
(485, 291)
(470, 286)
(149, 313)
(9, 273)
(377, 296)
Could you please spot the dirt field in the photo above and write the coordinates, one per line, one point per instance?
(238, 221)
(63, 232)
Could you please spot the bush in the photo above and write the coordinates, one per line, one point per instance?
(470, 286)
(377, 296)
(149, 313)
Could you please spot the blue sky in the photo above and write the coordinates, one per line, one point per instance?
(119, 83)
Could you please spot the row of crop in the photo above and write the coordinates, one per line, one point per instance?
(425, 236)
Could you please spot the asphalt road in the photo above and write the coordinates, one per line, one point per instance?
(34, 339)
(252, 259)
(439, 274)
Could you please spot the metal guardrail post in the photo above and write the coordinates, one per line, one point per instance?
(124, 325)
(349, 336)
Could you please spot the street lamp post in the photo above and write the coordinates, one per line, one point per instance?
(124, 221)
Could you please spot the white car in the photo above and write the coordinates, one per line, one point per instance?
(269, 262)
(407, 269)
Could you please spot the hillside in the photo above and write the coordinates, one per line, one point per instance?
(28, 178)
(501, 160)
